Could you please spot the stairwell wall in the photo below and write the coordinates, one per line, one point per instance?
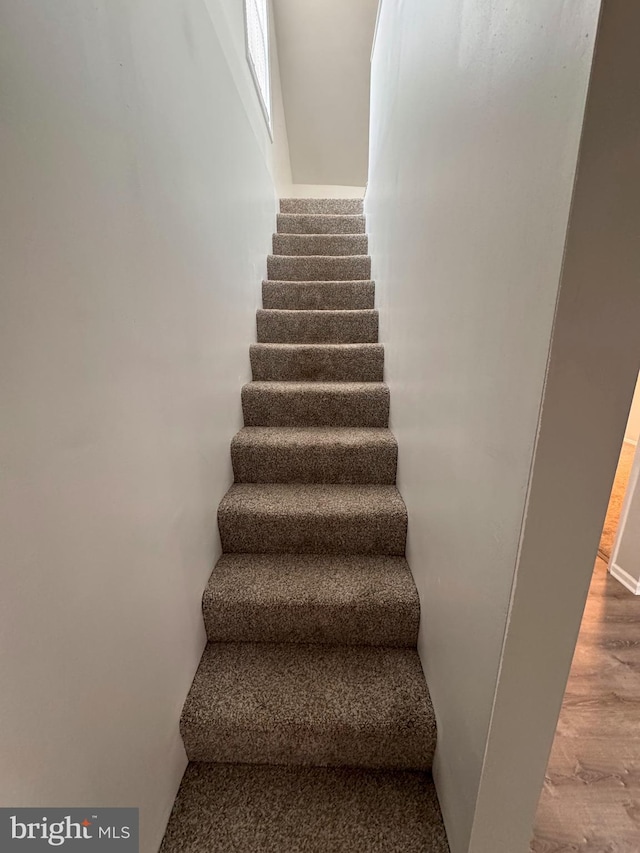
(476, 116)
(137, 209)
(324, 59)
(228, 17)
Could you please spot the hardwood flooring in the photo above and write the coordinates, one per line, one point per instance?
(590, 802)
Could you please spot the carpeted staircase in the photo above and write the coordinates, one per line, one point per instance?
(309, 725)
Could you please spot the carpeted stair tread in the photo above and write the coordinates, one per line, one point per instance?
(319, 267)
(318, 295)
(357, 404)
(312, 598)
(275, 326)
(259, 809)
(317, 362)
(320, 223)
(314, 455)
(320, 244)
(312, 518)
(321, 205)
(270, 703)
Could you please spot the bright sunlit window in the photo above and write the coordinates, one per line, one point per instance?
(256, 17)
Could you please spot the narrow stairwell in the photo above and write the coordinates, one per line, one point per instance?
(309, 725)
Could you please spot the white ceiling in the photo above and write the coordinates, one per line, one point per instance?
(324, 49)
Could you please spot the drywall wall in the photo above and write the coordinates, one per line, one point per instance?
(591, 373)
(624, 564)
(476, 116)
(330, 191)
(136, 214)
(325, 51)
(281, 158)
(228, 16)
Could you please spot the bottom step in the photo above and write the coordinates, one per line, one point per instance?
(245, 809)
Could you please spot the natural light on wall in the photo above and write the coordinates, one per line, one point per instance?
(257, 29)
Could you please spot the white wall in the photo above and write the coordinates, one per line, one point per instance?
(136, 213)
(281, 157)
(228, 16)
(325, 50)
(624, 564)
(591, 372)
(477, 110)
(327, 191)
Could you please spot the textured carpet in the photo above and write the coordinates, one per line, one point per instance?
(277, 326)
(309, 722)
(312, 598)
(312, 518)
(317, 363)
(317, 206)
(615, 501)
(314, 455)
(319, 267)
(325, 705)
(320, 244)
(290, 404)
(318, 295)
(250, 809)
(320, 223)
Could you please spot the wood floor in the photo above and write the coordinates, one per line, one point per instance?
(590, 802)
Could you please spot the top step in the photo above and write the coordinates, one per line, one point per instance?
(321, 205)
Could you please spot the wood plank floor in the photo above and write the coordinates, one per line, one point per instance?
(590, 802)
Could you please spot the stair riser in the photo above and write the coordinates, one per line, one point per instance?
(318, 296)
(321, 205)
(301, 223)
(319, 268)
(318, 244)
(300, 363)
(370, 463)
(268, 407)
(244, 532)
(311, 622)
(322, 327)
(296, 745)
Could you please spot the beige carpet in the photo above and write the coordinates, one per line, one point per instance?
(309, 725)
(252, 808)
(615, 501)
